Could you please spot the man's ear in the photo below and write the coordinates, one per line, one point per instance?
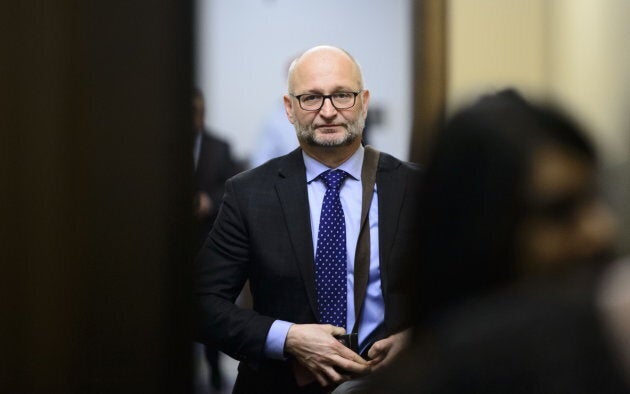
(365, 100)
(288, 108)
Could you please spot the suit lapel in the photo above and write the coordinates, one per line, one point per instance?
(391, 192)
(293, 196)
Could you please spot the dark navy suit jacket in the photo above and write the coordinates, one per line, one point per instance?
(263, 233)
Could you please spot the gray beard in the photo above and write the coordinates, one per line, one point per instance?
(354, 130)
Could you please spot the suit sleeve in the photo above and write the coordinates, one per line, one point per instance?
(222, 268)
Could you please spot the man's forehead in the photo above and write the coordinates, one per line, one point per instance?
(334, 70)
(326, 65)
(326, 58)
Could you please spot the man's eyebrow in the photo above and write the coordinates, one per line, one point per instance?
(336, 89)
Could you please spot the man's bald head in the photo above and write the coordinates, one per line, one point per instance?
(320, 55)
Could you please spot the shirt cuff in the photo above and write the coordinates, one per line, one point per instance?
(277, 335)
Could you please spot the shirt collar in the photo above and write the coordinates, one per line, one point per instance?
(352, 166)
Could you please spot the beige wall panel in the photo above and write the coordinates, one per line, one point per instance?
(589, 59)
(493, 44)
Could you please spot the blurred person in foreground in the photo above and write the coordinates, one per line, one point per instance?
(320, 234)
(512, 239)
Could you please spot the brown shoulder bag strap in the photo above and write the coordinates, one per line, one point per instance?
(362, 255)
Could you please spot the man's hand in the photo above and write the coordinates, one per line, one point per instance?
(315, 347)
(384, 351)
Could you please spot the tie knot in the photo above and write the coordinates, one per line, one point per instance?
(333, 178)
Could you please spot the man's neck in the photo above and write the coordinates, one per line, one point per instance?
(331, 156)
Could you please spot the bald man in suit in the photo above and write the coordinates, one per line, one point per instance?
(268, 231)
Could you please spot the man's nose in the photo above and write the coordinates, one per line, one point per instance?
(327, 109)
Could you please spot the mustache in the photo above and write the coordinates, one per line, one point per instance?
(324, 125)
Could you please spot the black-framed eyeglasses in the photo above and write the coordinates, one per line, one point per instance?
(339, 100)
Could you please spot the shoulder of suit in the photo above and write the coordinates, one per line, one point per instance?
(388, 162)
(270, 169)
(288, 162)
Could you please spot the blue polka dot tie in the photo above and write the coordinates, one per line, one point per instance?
(330, 257)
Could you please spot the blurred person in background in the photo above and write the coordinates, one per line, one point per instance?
(277, 135)
(511, 241)
(213, 166)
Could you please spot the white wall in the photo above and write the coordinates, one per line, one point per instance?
(243, 47)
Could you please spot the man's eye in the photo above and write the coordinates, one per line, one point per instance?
(310, 98)
(342, 95)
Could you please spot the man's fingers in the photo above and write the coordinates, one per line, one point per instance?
(377, 359)
(334, 330)
(349, 365)
(374, 353)
(314, 347)
(328, 376)
(321, 379)
(350, 355)
(379, 348)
